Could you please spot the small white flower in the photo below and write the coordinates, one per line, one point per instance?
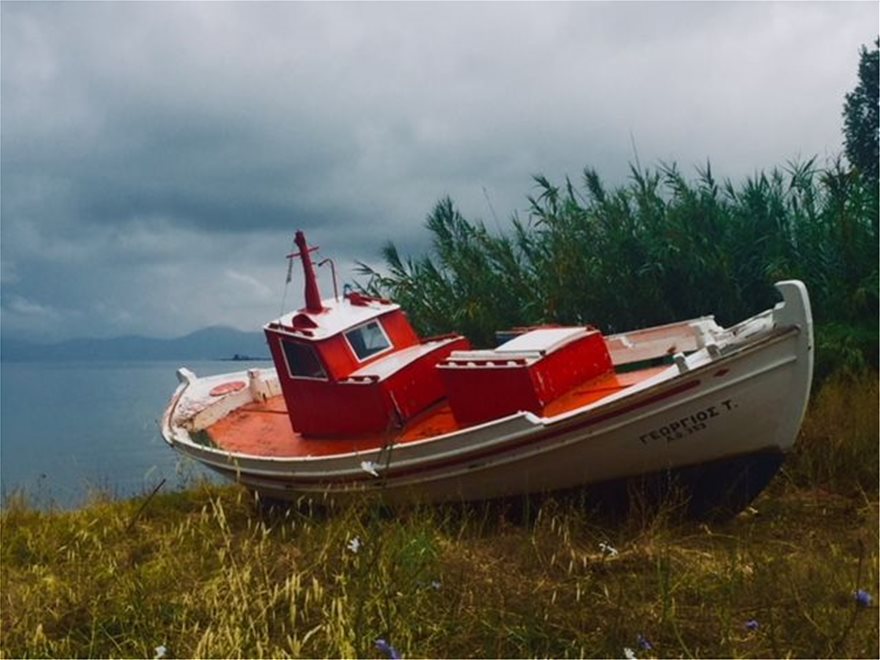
(160, 652)
(435, 584)
(609, 550)
(354, 545)
(370, 467)
(629, 653)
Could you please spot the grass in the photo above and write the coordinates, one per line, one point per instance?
(210, 573)
(837, 448)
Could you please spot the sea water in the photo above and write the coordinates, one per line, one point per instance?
(71, 429)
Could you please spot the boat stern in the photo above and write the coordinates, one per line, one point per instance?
(795, 311)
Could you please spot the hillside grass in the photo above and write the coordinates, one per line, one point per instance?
(210, 573)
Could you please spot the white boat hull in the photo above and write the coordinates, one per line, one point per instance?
(741, 395)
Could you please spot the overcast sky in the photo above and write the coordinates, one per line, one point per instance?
(157, 157)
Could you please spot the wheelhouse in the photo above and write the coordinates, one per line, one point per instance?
(353, 364)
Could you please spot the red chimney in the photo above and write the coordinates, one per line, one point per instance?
(313, 296)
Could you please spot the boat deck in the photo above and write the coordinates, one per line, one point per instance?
(263, 429)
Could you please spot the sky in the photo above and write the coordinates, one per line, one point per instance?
(157, 158)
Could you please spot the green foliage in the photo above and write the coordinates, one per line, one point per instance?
(474, 290)
(845, 350)
(860, 116)
(659, 249)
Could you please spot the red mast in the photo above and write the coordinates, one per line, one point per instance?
(313, 296)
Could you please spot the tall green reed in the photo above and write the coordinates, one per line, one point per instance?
(656, 249)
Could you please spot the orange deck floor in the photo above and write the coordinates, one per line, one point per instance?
(263, 429)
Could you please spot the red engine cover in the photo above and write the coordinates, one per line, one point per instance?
(486, 385)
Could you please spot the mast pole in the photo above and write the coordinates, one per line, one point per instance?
(313, 295)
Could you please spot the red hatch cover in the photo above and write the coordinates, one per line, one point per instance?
(227, 388)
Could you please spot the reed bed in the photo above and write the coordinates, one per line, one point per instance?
(212, 572)
(656, 249)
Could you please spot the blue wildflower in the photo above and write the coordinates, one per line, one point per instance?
(386, 648)
(752, 625)
(643, 642)
(863, 598)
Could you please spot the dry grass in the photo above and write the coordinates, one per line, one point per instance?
(838, 443)
(209, 573)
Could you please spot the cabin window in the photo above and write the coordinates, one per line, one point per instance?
(368, 340)
(303, 361)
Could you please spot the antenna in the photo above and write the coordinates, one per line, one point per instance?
(328, 260)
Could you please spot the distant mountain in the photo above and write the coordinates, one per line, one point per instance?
(214, 343)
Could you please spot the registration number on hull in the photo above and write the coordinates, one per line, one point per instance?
(688, 425)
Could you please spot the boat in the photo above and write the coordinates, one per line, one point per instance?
(358, 403)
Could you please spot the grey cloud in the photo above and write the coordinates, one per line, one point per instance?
(149, 148)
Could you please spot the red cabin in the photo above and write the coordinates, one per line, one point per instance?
(353, 365)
